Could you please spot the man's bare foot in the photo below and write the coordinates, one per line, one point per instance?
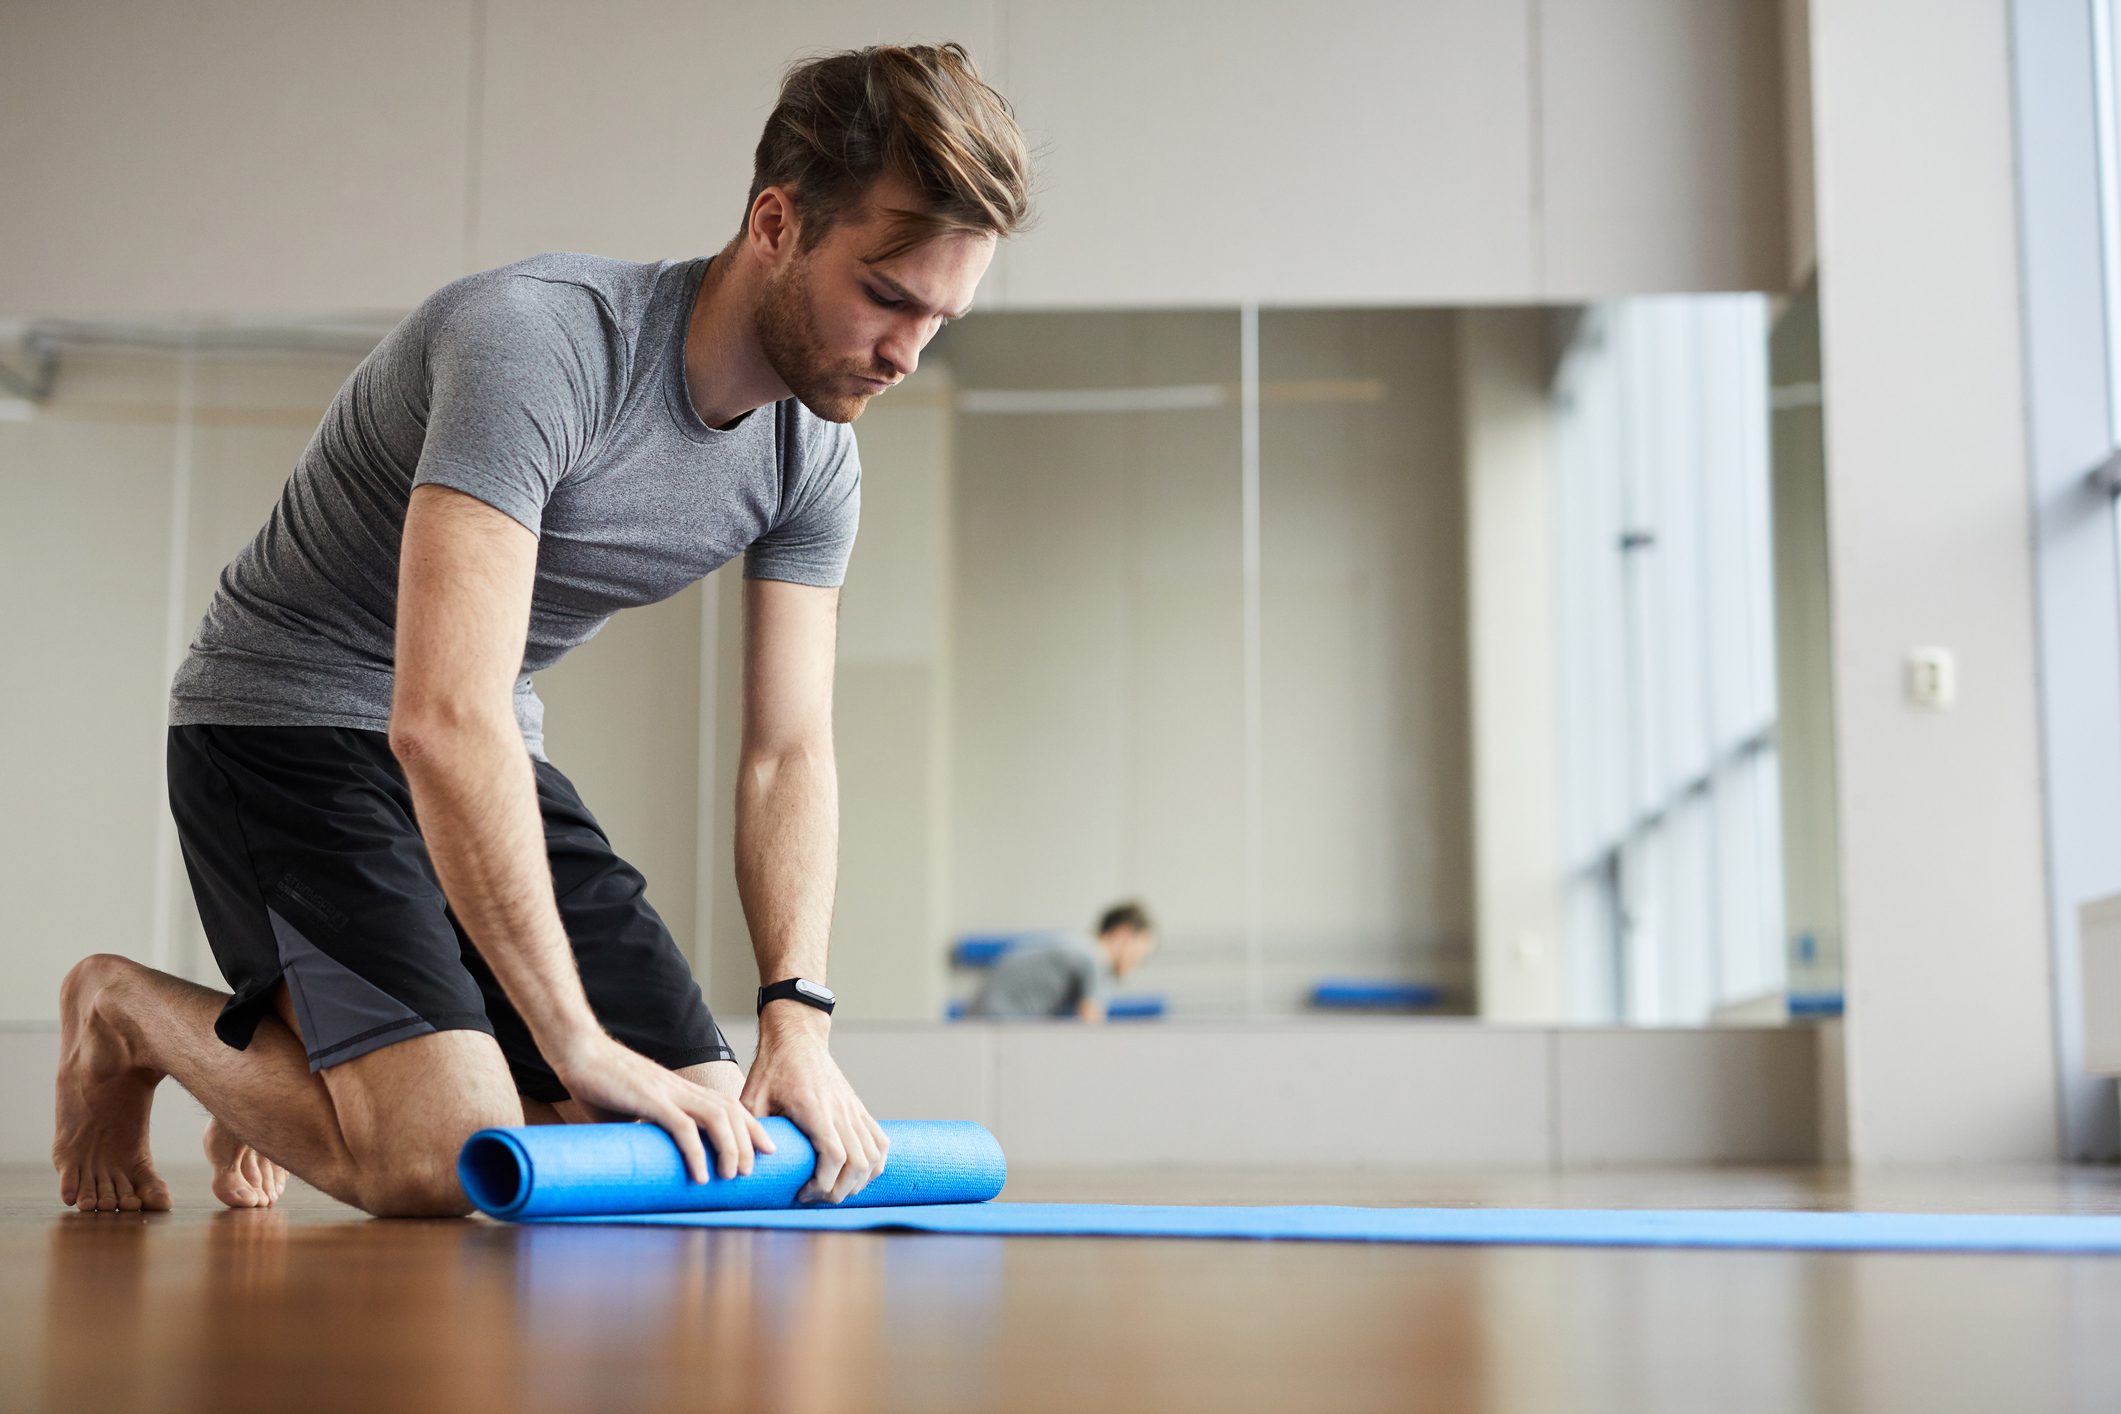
(243, 1177)
(99, 1143)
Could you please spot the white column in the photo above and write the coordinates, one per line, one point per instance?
(1949, 1031)
(1503, 366)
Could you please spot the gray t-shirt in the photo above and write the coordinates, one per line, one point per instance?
(1049, 975)
(553, 390)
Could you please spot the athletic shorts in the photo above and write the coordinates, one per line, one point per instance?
(307, 866)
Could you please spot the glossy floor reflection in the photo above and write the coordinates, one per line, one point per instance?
(314, 1307)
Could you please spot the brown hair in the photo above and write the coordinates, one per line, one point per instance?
(920, 113)
(1125, 915)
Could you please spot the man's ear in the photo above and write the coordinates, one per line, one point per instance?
(773, 228)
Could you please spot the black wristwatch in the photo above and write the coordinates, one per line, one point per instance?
(798, 989)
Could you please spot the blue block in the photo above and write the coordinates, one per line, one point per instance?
(1350, 995)
(981, 950)
(1119, 1009)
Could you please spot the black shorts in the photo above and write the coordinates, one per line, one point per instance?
(307, 866)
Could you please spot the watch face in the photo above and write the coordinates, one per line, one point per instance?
(813, 989)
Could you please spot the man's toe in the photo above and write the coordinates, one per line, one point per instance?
(154, 1193)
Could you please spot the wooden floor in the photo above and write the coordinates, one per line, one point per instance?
(312, 1307)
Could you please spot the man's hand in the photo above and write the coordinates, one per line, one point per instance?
(794, 1075)
(613, 1082)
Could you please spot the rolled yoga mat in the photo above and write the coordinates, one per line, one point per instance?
(604, 1170)
(940, 1175)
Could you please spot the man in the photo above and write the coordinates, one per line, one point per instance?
(1065, 974)
(534, 448)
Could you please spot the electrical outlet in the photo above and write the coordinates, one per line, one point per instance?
(1932, 678)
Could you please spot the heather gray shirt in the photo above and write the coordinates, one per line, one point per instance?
(553, 390)
(1044, 976)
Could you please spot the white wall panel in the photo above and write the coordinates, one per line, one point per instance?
(84, 558)
(1198, 152)
(288, 159)
(223, 156)
(1686, 1096)
(1289, 1094)
(631, 134)
(1661, 147)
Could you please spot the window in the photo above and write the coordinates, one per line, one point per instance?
(2108, 136)
(1670, 795)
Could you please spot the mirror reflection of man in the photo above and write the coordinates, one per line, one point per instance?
(1067, 974)
(532, 449)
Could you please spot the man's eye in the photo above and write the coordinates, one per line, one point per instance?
(886, 303)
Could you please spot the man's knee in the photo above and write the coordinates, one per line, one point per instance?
(417, 1190)
(722, 1077)
(405, 1111)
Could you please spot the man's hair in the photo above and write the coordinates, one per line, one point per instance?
(1125, 915)
(920, 113)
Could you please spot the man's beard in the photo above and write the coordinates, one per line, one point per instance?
(787, 334)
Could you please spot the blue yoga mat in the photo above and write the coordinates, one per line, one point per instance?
(940, 1176)
(551, 1170)
(1511, 1227)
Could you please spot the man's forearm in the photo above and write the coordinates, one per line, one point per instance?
(787, 861)
(787, 843)
(476, 797)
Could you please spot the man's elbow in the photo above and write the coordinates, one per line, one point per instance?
(428, 735)
(762, 766)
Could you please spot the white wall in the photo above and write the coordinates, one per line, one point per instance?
(652, 112)
(303, 159)
(1505, 365)
(228, 157)
(1801, 252)
(1949, 1038)
(1661, 147)
(85, 555)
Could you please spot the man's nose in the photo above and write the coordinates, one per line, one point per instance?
(902, 352)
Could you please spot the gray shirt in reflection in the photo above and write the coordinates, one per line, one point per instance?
(1048, 975)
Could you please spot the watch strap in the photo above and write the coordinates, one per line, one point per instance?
(798, 989)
